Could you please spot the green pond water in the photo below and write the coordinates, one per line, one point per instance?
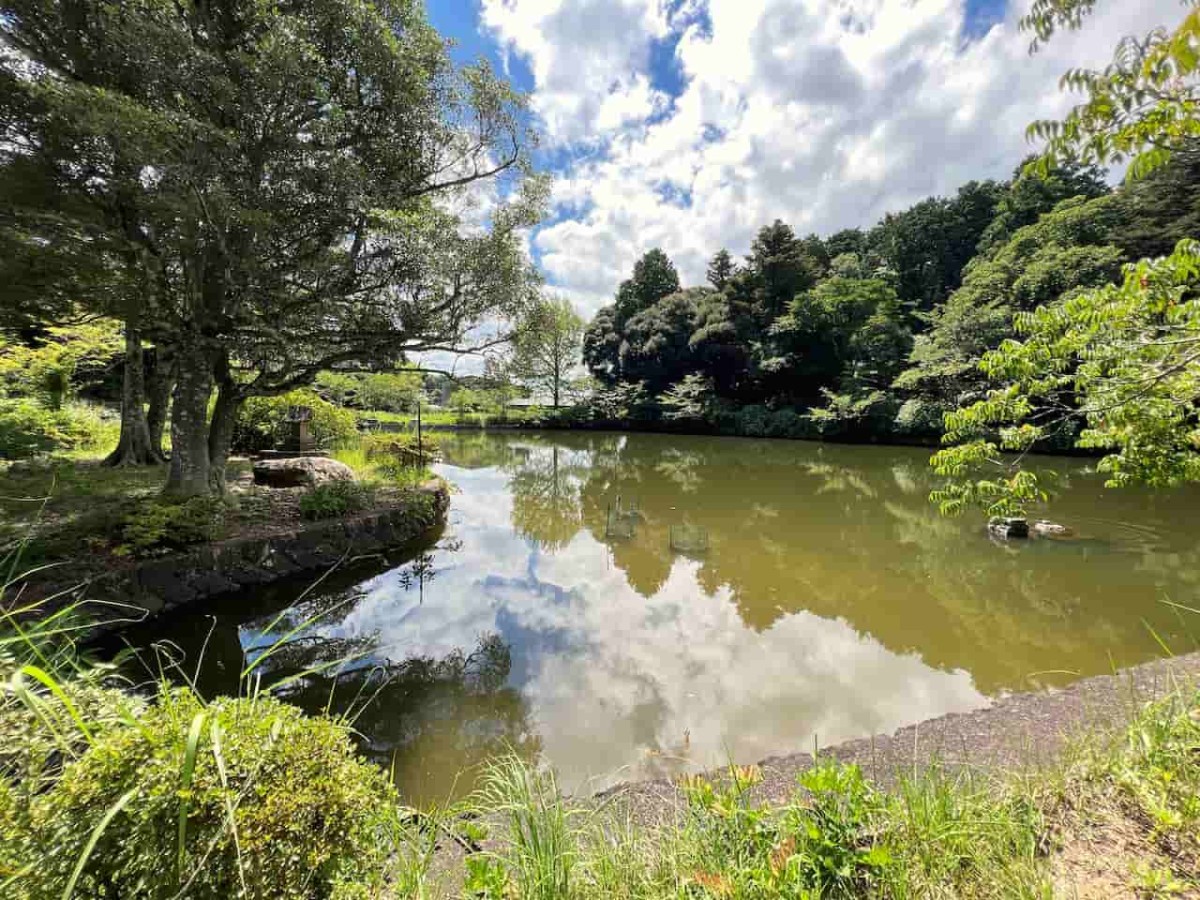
(622, 606)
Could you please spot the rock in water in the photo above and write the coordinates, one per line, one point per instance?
(300, 471)
(1045, 528)
(1005, 527)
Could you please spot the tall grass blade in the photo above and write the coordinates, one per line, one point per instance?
(219, 756)
(189, 770)
(60, 695)
(97, 833)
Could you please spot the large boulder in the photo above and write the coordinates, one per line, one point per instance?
(300, 471)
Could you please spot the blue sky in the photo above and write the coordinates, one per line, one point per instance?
(689, 124)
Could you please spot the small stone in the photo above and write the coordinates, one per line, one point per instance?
(301, 471)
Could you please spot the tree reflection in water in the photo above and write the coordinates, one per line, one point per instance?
(847, 532)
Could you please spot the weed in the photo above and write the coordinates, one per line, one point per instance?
(336, 499)
(162, 525)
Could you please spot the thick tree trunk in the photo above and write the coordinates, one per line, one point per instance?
(190, 471)
(220, 433)
(136, 446)
(158, 393)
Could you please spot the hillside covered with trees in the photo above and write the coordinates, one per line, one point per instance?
(875, 333)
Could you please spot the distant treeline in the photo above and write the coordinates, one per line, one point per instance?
(872, 334)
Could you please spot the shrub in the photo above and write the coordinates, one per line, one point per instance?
(28, 428)
(160, 525)
(36, 741)
(921, 416)
(274, 805)
(337, 498)
(262, 422)
(753, 421)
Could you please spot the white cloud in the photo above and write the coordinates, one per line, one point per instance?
(588, 57)
(825, 113)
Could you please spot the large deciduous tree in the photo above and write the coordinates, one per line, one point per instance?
(288, 186)
(546, 347)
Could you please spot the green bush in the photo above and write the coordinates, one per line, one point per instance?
(276, 805)
(262, 423)
(161, 525)
(920, 416)
(337, 498)
(28, 428)
(35, 742)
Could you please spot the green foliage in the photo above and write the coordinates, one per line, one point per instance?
(388, 391)
(836, 852)
(1031, 194)
(692, 399)
(28, 428)
(305, 146)
(547, 348)
(656, 341)
(262, 422)
(1157, 770)
(51, 370)
(720, 269)
(1066, 250)
(335, 499)
(620, 402)
(1122, 357)
(1140, 108)
(540, 846)
(654, 277)
(38, 382)
(927, 246)
(276, 805)
(162, 525)
(466, 400)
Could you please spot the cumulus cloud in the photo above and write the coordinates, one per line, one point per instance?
(825, 113)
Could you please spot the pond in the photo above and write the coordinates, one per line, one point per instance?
(623, 606)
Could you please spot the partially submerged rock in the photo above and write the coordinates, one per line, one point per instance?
(1046, 528)
(300, 471)
(1006, 527)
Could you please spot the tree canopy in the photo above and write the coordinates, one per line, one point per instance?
(270, 190)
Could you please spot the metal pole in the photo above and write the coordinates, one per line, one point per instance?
(420, 452)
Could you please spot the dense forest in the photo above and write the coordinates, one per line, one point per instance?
(874, 334)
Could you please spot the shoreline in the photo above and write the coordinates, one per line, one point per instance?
(1018, 731)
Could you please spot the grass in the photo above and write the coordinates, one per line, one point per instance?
(72, 508)
(380, 461)
(109, 789)
(935, 834)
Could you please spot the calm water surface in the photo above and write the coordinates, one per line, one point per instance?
(831, 602)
